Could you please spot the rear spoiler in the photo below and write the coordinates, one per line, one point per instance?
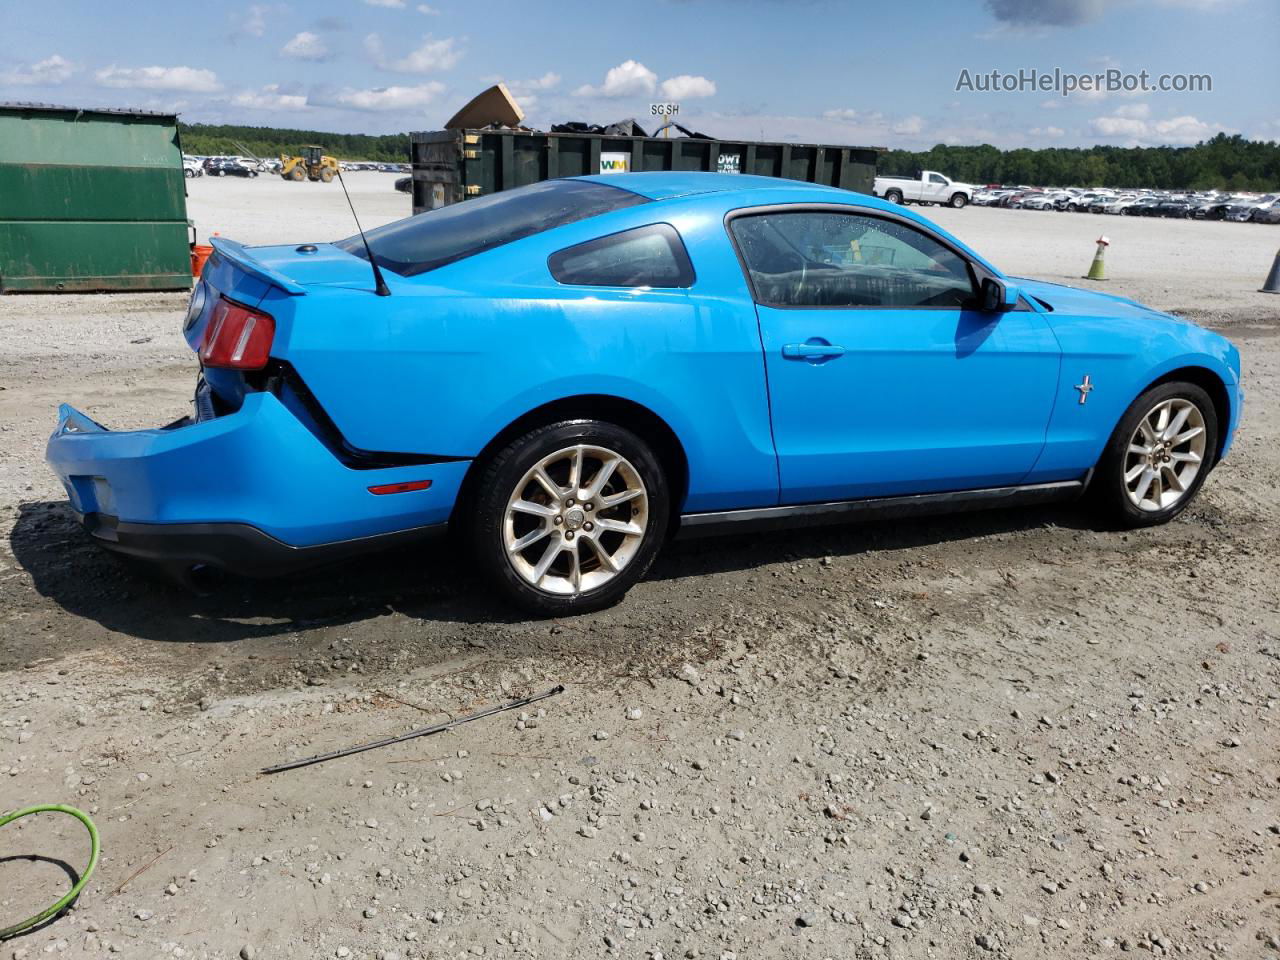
(239, 254)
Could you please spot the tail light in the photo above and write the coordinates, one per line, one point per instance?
(237, 337)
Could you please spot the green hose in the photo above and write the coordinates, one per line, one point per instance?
(74, 892)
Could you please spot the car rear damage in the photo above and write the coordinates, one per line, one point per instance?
(257, 480)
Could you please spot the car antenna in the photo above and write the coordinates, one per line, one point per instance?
(379, 285)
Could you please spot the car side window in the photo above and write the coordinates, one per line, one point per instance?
(831, 259)
(936, 178)
(651, 256)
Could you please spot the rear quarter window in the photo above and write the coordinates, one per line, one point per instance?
(650, 256)
(439, 237)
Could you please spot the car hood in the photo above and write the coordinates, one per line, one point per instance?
(1065, 299)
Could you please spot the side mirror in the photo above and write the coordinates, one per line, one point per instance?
(997, 296)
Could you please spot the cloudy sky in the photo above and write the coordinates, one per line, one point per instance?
(880, 74)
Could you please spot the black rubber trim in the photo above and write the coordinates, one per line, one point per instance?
(281, 375)
(873, 508)
(237, 548)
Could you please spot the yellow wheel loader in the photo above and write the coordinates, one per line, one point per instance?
(312, 165)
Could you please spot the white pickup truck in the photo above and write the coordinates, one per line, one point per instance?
(929, 187)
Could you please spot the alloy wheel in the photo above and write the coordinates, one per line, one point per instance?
(575, 520)
(1165, 455)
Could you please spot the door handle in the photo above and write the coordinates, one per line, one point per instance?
(814, 350)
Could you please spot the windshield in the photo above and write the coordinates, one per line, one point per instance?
(445, 235)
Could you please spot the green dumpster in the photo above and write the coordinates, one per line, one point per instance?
(91, 200)
(451, 165)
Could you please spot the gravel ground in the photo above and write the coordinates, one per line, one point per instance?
(1004, 734)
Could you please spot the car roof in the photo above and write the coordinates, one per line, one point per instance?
(664, 185)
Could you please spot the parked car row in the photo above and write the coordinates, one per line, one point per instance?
(238, 166)
(1204, 205)
(349, 166)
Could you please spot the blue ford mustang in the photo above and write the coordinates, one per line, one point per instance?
(570, 372)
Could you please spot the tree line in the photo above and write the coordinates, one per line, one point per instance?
(205, 139)
(1223, 162)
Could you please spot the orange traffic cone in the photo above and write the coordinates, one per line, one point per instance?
(1272, 284)
(1098, 269)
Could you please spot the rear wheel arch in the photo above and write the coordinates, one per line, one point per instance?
(636, 417)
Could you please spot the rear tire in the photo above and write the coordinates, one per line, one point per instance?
(589, 502)
(1158, 457)
(893, 196)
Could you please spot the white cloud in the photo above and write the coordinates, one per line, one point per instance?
(306, 46)
(1135, 130)
(252, 22)
(1097, 94)
(383, 98)
(685, 87)
(428, 10)
(1137, 111)
(547, 81)
(390, 4)
(861, 120)
(189, 79)
(48, 72)
(269, 97)
(1051, 133)
(431, 57)
(1120, 127)
(909, 126)
(967, 134)
(1185, 130)
(849, 115)
(255, 24)
(628, 79)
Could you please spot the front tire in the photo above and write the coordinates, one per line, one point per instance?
(958, 200)
(569, 516)
(1159, 455)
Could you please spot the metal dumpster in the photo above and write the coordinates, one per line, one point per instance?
(91, 200)
(451, 165)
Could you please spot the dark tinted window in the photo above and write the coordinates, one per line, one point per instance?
(827, 259)
(652, 256)
(464, 229)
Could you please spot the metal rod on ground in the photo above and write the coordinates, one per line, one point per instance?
(424, 732)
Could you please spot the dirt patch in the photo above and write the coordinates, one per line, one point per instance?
(1003, 734)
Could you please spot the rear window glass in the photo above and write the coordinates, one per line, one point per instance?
(652, 256)
(460, 230)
